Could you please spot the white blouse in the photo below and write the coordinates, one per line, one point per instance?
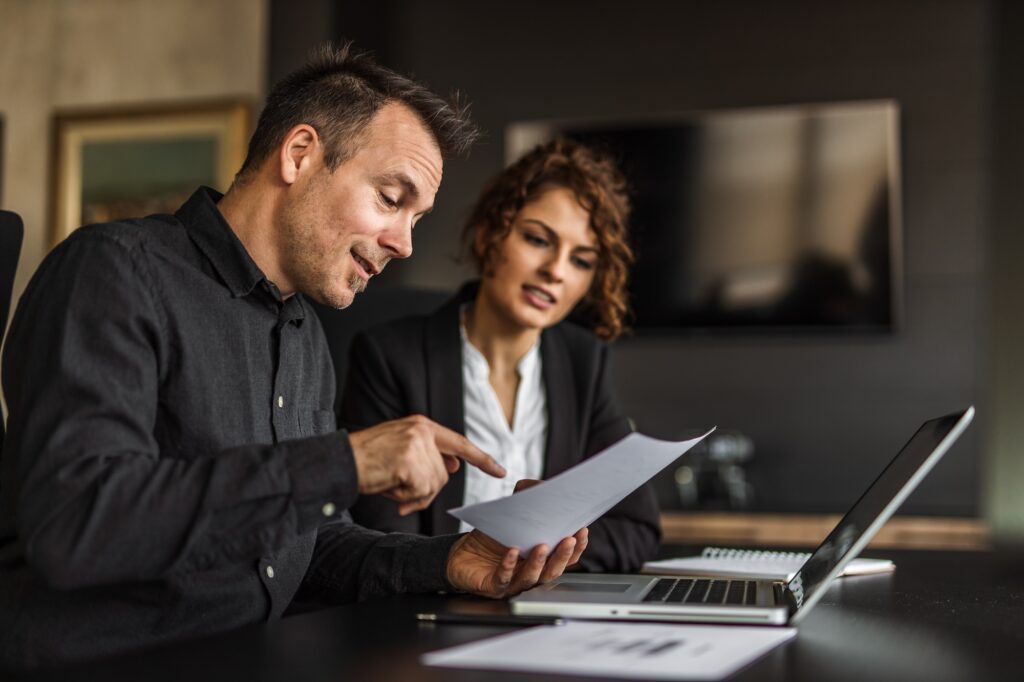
(519, 449)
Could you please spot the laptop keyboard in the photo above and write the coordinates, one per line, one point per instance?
(701, 591)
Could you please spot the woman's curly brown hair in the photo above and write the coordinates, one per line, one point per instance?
(600, 188)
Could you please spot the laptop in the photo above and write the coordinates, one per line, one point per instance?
(753, 601)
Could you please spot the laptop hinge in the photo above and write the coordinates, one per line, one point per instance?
(784, 596)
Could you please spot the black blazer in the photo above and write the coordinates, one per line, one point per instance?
(414, 366)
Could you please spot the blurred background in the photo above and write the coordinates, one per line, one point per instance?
(811, 406)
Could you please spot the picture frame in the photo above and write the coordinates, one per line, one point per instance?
(1, 159)
(133, 161)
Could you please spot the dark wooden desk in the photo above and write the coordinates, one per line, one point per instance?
(940, 616)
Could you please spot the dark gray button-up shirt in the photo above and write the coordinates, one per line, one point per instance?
(172, 467)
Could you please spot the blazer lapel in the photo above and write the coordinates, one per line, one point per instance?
(562, 403)
(443, 355)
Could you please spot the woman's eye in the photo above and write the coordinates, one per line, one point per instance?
(583, 264)
(534, 239)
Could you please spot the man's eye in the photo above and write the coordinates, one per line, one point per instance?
(387, 201)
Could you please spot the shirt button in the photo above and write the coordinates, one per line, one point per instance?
(270, 571)
(328, 509)
(280, 401)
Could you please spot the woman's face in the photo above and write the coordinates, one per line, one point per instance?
(546, 264)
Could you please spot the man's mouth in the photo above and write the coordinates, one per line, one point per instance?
(368, 268)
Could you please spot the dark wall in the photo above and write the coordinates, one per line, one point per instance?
(825, 413)
(1005, 444)
(295, 27)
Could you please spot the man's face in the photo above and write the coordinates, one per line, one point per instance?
(340, 228)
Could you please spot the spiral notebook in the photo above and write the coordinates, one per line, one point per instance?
(749, 563)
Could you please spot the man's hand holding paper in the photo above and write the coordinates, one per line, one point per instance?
(488, 568)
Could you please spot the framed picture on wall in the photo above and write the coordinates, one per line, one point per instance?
(1, 160)
(128, 162)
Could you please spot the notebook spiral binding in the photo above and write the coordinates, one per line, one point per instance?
(751, 554)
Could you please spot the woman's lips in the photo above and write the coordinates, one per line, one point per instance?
(537, 297)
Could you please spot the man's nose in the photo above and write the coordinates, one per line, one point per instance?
(398, 240)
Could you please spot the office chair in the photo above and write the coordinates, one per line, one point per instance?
(369, 308)
(11, 233)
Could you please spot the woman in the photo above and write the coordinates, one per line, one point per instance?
(499, 362)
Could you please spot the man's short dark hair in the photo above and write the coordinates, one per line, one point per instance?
(338, 91)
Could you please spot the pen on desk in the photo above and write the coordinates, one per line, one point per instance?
(487, 619)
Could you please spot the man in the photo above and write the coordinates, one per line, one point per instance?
(172, 467)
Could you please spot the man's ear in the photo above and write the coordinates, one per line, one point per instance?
(298, 152)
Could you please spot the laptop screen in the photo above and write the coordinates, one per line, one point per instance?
(876, 505)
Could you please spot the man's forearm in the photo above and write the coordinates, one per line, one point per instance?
(169, 515)
(352, 563)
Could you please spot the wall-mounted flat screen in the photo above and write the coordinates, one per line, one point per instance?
(780, 218)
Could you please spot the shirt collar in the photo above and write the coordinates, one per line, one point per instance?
(218, 242)
(476, 361)
(529, 362)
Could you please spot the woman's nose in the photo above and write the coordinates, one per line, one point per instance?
(555, 267)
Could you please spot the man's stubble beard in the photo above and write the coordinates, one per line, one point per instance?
(356, 283)
(319, 281)
(312, 273)
(309, 269)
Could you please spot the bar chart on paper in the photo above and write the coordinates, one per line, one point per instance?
(628, 650)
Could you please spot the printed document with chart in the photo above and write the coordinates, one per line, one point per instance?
(625, 650)
(560, 506)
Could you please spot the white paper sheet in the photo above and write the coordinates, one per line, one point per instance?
(630, 650)
(560, 506)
